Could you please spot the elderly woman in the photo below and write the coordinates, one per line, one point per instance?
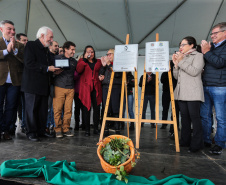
(188, 68)
(90, 91)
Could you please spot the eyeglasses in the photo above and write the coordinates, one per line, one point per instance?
(108, 54)
(182, 45)
(214, 33)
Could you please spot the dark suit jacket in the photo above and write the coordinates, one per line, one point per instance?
(11, 63)
(35, 78)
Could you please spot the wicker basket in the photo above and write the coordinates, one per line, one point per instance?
(112, 169)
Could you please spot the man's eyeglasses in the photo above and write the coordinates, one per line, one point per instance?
(214, 33)
(182, 45)
(108, 54)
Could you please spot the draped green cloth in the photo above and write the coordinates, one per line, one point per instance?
(62, 172)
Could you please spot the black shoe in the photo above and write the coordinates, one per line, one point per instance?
(207, 144)
(46, 134)
(153, 125)
(6, 136)
(33, 138)
(163, 126)
(87, 134)
(216, 150)
(68, 134)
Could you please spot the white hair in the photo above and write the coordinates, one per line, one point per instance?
(43, 30)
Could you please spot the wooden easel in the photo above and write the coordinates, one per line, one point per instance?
(124, 87)
(174, 122)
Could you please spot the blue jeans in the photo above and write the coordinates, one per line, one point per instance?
(151, 99)
(130, 106)
(214, 96)
(9, 95)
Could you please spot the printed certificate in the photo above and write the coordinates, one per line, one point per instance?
(125, 57)
(62, 63)
(157, 56)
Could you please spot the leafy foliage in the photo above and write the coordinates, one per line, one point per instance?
(117, 152)
(121, 174)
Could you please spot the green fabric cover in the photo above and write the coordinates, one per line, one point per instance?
(62, 172)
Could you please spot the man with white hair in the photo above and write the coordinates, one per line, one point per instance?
(35, 82)
(11, 66)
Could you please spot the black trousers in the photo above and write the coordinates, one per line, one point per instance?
(78, 107)
(36, 111)
(96, 113)
(190, 113)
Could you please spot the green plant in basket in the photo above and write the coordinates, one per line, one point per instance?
(117, 152)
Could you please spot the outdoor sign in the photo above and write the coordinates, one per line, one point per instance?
(157, 56)
(125, 57)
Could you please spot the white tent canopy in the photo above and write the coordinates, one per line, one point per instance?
(105, 23)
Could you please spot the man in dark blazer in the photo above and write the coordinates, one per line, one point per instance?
(36, 82)
(11, 67)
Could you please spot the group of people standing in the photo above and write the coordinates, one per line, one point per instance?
(49, 91)
(199, 85)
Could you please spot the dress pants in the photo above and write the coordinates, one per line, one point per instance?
(190, 113)
(36, 111)
(9, 95)
(96, 113)
(63, 98)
